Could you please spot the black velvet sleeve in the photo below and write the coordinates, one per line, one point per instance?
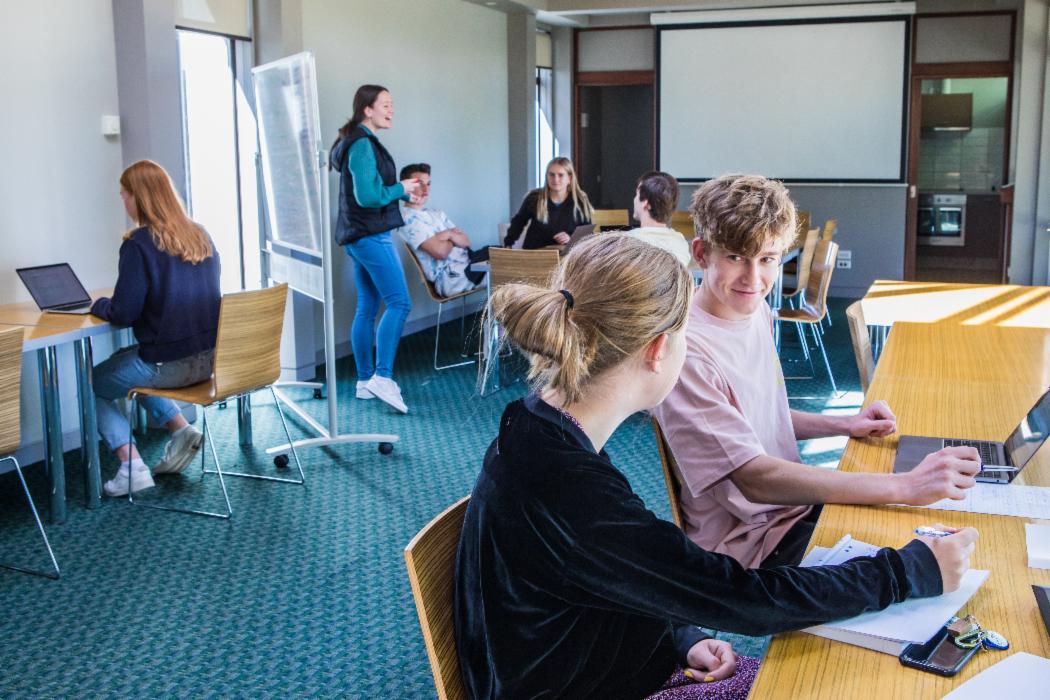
(517, 224)
(618, 555)
(685, 636)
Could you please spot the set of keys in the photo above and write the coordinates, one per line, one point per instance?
(968, 633)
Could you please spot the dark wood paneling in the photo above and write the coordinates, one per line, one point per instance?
(616, 77)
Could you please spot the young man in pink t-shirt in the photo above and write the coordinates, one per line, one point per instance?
(727, 421)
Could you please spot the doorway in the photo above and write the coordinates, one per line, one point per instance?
(615, 137)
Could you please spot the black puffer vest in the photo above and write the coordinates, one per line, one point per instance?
(355, 221)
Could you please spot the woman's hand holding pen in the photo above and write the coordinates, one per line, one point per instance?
(952, 551)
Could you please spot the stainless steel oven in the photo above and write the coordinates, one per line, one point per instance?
(942, 219)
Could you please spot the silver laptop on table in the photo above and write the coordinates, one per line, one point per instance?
(55, 288)
(1010, 456)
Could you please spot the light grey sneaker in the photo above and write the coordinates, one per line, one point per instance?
(363, 392)
(140, 479)
(184, 445)
(387, 391)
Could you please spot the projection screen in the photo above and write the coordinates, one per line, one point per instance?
(805, 101)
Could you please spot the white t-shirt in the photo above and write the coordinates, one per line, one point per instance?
(666, 238)
(448, 274)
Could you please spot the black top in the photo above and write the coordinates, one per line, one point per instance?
(560, 218)
(567, 587)
(172, 305)
(356, 221)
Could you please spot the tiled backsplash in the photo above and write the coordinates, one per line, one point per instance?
(971, 161)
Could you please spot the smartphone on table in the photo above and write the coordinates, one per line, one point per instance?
(940, 655)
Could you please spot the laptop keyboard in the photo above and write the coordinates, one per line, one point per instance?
(984, 448)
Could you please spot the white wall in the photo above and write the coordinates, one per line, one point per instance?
(58, 174)
(445, 64)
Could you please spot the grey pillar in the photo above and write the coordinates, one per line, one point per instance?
(521, 98)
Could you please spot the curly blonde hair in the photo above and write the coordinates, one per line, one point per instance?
(742, 213)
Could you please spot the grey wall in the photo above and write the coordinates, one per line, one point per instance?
(561, 40)
(521, 100)
(446, 65)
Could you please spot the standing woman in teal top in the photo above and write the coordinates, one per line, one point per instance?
(368, 212)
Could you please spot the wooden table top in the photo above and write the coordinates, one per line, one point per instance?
(1010, 305)
(974, 391)
(43, 329)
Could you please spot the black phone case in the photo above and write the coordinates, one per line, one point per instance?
(940, 655)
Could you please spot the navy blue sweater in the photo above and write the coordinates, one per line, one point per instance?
(172, 305)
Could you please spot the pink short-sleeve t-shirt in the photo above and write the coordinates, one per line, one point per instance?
(728, 407)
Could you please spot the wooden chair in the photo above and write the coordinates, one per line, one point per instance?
(247, 359)
(682, 221)
(532, 266)
(814, 303)
(858, 332)
(508, 265)
(831, 226)
(441, 301)
(672, 479)
(805, 262)
(802, 226)
(431, 561)
(11, 431)
(610, 217)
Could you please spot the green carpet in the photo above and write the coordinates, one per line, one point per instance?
(304, 591)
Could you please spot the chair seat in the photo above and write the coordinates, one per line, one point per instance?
(807, 314)
(202, 393)
(458, 295)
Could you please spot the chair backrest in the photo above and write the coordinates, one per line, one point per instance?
(501, 232)
(858, 333)
(532, 266)
(805, 258)
(431, 561)
(248, 345)
(802, 226)
(671, 479)
(427, 284)
(816, 294)
(682, 221)
(830, 227)
(610, 217)
(10, 383)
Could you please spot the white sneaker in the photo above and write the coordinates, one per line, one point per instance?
(140, 479)
(362, 390)
(184, 445)
(387, 391)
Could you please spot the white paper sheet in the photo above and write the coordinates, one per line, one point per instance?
(1001, 499)
(914, 620)
(1020, 676)
(1037, 539)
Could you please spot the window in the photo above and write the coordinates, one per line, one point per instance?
(220, 143)
(546, 143)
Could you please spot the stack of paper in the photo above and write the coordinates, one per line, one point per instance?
(914, 621)
(1019, 676)
(1037, 537)
(1017, 500)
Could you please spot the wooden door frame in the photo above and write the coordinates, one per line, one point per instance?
(934, 71)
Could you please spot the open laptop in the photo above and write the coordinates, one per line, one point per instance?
(55, 288)
(1011, 456)
(581, 233)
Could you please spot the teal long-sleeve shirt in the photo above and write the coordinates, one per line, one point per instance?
(369, 190)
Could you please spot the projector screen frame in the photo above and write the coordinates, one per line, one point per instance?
(901, 179)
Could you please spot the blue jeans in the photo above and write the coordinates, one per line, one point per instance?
(378, 275)
(123, 370)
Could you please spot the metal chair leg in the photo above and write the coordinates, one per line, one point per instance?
(827, 365)
(218, 470)
(40, 527)
(437, 341)
(264, 477)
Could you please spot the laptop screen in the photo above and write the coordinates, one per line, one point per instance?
(54, 285)
(1026, 440)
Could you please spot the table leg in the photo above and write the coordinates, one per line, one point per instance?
(88, 423)
(244, 420)
(47, 360)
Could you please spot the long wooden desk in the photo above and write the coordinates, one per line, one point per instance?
(940, 379)
(44, 333)
(1008, 305)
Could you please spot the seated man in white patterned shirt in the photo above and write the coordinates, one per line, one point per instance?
(443, 250)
